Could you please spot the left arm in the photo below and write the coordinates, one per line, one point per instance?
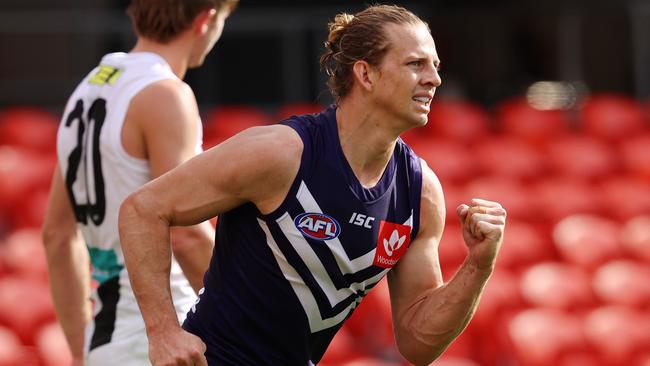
(427, 314)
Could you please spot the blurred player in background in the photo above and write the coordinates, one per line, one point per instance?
(313, 213)
(129, 121)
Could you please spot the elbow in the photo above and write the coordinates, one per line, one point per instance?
(139, 209)
(56, 238)
(419, 345)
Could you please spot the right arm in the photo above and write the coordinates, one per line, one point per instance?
(68, 266)
(257, 166)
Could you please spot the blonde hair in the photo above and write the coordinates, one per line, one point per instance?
(361, 36)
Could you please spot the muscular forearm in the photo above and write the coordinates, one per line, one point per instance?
(441, 314)
(68, 267)
(145, 241)
(192, 247)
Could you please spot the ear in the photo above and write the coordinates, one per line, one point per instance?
(202, 22)
(365, 74)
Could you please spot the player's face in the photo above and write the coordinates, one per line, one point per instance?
(209, 39)
(408, 74)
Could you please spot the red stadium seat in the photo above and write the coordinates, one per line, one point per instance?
(542, 337)
(450, 161)
(25, 305)
(626, 198)
(451, 250)
(52, 346)
(635, 155)
(454, 361)
(500, 298)
(611, 117)
(582, 156)
(10, 348)
(617, 333)
(33, 129)
(21, 174)
(509, 157)
(587, 240)
(635, 237)
(226, 121)
(523, 245)
(623, 282)
(460, 121)
(517, 118)
(557, 285)
(512, 195)
(23, 255)
(558, 197)
(296, 109)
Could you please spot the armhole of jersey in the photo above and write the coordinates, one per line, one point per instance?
(303, 170)
(120, 117)
(416, 191)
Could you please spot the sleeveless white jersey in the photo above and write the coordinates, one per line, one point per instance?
(99, 175)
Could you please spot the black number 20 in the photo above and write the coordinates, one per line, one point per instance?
(96, 114)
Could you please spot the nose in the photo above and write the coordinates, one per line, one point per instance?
(432, 76)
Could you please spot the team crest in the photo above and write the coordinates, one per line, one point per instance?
(392, 241)
(318, 226)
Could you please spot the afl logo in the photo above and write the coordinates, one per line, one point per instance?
(318, 226)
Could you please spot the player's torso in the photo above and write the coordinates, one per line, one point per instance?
(310, 262)
(99, 174)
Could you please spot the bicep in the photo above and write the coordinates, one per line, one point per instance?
(256, 166)
(419, 269)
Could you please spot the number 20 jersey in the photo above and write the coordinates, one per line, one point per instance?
(99, 174)
(280, 285)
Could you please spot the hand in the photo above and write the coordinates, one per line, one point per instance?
(176, 348)
(483, 224)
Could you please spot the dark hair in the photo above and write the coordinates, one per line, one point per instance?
(361, 36)
(162, 20)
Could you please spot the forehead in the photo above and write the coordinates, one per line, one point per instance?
(410, 40)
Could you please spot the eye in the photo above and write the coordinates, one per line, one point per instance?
(415, 63)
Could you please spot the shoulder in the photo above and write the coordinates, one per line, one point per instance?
(273, 146)
(164, 100)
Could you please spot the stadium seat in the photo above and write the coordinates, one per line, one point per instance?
(450, 161)
(460, 121)
(635, 237)
(30, 128)
(513, 195)
(618, 333)
(500, 298)
(22, 173)
(454, 361)
(559, 197)
(635, 156)
(523, 245)
(611, 117)
(25, 305)
(518, 119)
(582, 157)
(587, 240)
(10, 348)
(224, 122)
(625, 197)
(623, 282)
(541, 337)
(52, 345)
(509, 157)
(296, 109)
(557, 285)
(452, 249)
(23, 255)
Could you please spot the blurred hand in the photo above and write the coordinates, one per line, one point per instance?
(483, 223)
(176, 348)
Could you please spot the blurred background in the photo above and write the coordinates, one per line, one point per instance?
(545, 107)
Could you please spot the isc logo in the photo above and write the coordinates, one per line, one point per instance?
(318, 226)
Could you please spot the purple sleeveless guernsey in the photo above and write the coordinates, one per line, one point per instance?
(280, 285)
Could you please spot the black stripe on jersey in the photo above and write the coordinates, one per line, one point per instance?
(299, 265)
(109, 295)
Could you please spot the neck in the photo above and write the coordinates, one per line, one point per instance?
(175, 53)
(367, 143)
